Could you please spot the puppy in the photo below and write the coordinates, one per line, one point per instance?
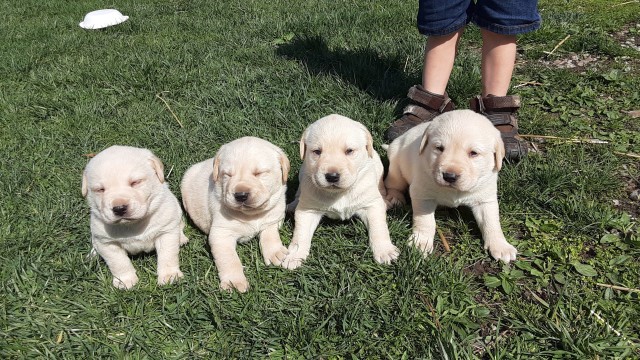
(453, 160)
(341, 176)
(238, 194)
(132, 211)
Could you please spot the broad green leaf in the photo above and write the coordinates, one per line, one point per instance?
(619, 260)
(584, 269)
(507, 286)
(491, 281)
(609, 238)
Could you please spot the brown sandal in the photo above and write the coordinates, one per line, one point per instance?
(423, 107)
(501, 111)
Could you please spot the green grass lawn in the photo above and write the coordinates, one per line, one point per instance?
(233, 68)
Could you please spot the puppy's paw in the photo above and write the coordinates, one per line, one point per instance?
(422, 242)
(238, 282)
(125, 282)
(293, 261)
(169, 277)
(394, 198)
(502, 250)
(386, 254)
(183, 239)
(276, 257)
(294, 258)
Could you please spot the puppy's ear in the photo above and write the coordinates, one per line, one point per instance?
(85, 185)
(216, 166)
(303, 145)
(285, 165)
(369, 143)
(424, 141)
(369, 139)
(158, 167)
(499, 153)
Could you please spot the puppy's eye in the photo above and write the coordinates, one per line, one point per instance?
(260, 172)
(348, 151)
(473, 154)
(135, 183)
(99, 190)
(440, 148)
(317, 152)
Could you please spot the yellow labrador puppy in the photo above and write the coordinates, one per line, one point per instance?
(238, 194)
(132, 211)
(453, 160)
(341, 177)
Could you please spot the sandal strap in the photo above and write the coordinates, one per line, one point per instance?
(501, 102)
(502, 119)
(441, 103)
(492, 103)
(418, 111)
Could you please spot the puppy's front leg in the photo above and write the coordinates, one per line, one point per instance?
(424, 225)
(223, 248)
(167, 249)
(306, 222)
(488, 218)
(117, 259)
(375, 218)
(271, 246)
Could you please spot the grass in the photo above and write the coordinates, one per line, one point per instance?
(229, 69)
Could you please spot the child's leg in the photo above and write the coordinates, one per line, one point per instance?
(498, 61)
(500, 21)
(439, 56)
(443, 23)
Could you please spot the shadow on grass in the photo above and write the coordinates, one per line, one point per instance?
(384, 78)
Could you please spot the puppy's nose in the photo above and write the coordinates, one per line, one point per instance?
(119, 210)
(332, 177)
(241, 196)
(450, 177)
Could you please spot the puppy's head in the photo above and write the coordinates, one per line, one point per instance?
(462, 150)
(120, 182)
(248, 172)
(334, 149)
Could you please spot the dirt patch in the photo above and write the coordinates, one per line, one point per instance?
(630, 201)
(629, 36)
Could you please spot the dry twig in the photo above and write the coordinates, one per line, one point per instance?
(572, 140)
(532, 83)
(616, 287)
(557, 46)
(625, 3)
(445, 243)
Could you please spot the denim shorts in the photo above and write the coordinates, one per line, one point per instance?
(506, 17)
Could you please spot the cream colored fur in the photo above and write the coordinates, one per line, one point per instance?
(338, 145)
(249, 166)
(460, 145)
(132, 211)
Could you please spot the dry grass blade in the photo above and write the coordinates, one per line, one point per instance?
(169, 108)
(445, 243)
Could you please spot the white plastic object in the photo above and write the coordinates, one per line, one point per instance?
(99, 19)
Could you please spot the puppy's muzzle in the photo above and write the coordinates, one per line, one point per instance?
(332, 178)
(450, 177)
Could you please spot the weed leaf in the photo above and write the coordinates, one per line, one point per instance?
(584, 269)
